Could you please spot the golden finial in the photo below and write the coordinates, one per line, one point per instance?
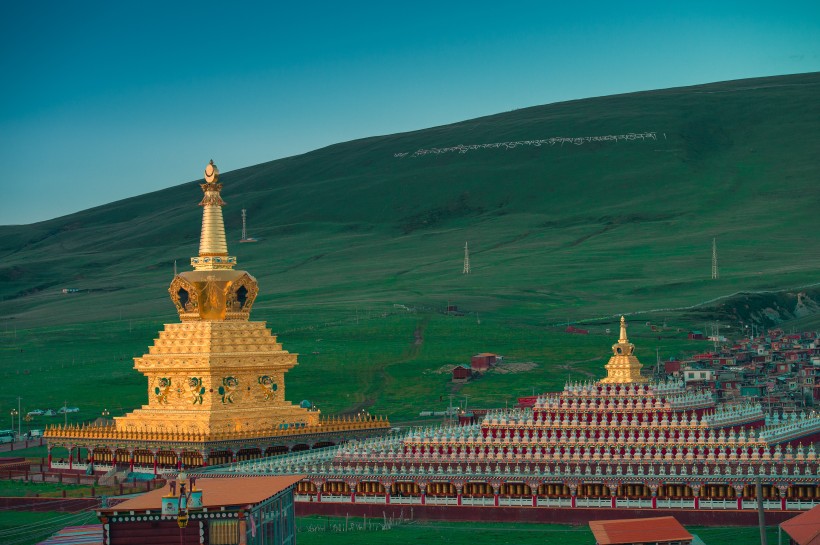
(622, 339)
(213, 247)
(211, 173)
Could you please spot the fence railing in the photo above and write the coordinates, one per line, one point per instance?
(564, 502)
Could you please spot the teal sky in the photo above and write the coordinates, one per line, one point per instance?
(102, 101)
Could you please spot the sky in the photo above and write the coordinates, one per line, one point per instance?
(101, 101)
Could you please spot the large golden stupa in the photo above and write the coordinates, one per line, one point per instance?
(216, 386)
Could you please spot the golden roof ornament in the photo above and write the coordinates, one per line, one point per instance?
(211, 173)
(623, 366)
(213, 290)
(213, 246)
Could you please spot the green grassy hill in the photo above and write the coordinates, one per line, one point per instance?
(560, 233)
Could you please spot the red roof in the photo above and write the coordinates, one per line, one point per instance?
(645, 530)
(216, 492)
(804, 529)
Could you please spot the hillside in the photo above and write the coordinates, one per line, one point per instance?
(558, 233)
(565, 231)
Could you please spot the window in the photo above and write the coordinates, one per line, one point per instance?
(223, 532)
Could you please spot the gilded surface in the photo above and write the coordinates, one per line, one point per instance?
(623, 366)
(216, 375)
(213, 246)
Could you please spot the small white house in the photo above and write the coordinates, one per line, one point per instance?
(694, 375)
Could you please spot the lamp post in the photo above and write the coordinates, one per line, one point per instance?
(189, 499)
(105, 413)
(14, 412)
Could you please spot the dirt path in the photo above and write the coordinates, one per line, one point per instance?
(570, 367)
(381, 380)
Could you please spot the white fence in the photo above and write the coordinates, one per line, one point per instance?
(80, 467)
(526, 501)
(405, 500)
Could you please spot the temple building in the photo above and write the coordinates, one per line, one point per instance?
(618, 443)
(215, 380)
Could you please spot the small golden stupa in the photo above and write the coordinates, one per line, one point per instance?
(216, 380)
(623, 366)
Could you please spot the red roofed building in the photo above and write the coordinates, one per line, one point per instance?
(461, 373)
(482, 362)
(804, 529)
(248, 510)
(644, 531)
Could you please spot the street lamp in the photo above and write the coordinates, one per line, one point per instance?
(181, 505)
(14, 412)
(105, 413)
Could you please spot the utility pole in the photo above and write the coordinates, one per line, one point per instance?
(715, 271)
(466, 259)
(244, 227)
(19, 417)
(65, 413)
(761, 516)
(657, 362)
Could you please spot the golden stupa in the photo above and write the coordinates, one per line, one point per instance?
(216, 371)
(216, 380)
(623, 366)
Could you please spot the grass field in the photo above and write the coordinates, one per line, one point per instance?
(34, 453)
(23, 528)
(347, 364)
(26, 528)
(53, 490)
(321, 530)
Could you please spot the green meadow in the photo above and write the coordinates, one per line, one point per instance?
(21, 528)
(372, 362)
(359, 249)
(28, 528)
(316, 530)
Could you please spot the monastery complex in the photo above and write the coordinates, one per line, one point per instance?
(216, 397)
(618, 443)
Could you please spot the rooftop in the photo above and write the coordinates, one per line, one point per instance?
(804, 529)
(216, 492)
(645, 530)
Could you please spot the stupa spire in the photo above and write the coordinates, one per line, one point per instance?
(622, 339)
(213, 245)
